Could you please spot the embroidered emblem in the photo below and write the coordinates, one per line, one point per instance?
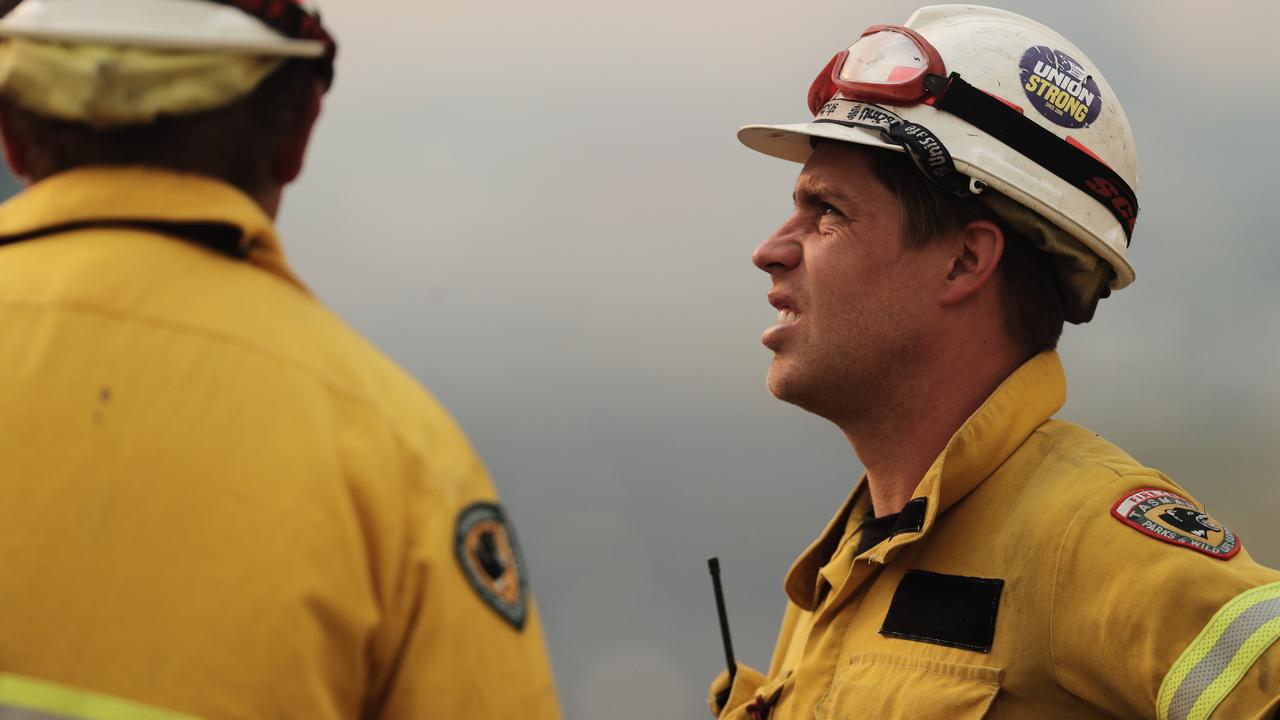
(486, 547)
(1176, 520)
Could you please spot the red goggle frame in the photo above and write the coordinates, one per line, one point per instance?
(890, 67)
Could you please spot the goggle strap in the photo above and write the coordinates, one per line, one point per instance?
(1023, 135)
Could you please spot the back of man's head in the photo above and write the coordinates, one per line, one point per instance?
(216, 87)
(239, 143)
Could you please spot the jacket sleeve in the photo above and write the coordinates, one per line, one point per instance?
(465, 638)
(726, 697)
(1157, 613)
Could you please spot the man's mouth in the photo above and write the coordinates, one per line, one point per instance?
(788, 315)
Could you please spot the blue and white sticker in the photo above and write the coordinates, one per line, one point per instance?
(1059, 87)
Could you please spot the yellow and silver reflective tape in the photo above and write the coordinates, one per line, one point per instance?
(26, 699)
(1211, 666)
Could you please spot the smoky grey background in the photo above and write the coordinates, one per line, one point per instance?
(541, 211)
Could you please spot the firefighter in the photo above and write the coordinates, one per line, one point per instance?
(969, 184)
(218, 500)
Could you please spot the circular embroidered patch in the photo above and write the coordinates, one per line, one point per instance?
(1059, 87)
(1175, 519)
(486, 547)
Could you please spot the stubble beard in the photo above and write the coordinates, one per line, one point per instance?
(850, 388)
(835, 391)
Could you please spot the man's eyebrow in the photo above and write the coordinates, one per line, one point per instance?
(818, 194)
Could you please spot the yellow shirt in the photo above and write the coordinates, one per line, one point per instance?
(1038, 572)
(218, 501)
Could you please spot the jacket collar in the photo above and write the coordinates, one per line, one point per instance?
(1023, 402)
(110, 195)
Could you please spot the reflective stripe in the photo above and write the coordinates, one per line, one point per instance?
(8, 712)
(1213, 664)
(26, 699)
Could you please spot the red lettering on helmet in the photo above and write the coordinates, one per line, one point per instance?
(1124, 206)
(1103, 187)
(1125, 209)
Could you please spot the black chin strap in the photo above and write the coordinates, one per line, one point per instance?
(1072, 164)
(923, 147)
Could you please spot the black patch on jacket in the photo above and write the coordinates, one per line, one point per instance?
(911, 519)
(950, 610)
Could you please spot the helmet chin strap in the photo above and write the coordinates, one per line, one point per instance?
(926, 150)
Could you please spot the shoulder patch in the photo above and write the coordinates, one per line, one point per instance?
(486, 548)
(1176, 520)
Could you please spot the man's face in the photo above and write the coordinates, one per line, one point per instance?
(853, 302)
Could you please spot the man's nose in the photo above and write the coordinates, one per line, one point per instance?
(780, 252)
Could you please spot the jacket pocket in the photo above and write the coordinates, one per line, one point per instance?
(880, 686)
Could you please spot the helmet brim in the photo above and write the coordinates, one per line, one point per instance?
(157, 24)
(795, 142)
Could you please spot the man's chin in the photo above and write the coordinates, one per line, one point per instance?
(804, 390)
(785, 382)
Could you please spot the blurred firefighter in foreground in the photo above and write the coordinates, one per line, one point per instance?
(218, 501)
(969, 184)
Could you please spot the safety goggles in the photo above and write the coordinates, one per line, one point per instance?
(896, 65)
(887, 64)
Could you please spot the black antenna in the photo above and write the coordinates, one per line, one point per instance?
(713, 564)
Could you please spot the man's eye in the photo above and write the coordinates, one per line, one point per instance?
(829, 209)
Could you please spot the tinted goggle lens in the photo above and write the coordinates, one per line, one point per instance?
(884, 58)
(887, 64)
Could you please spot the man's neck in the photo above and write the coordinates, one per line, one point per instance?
(269, 199)
(898, 445)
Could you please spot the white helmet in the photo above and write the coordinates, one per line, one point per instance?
(286, 28)
(1022, 112)
(110, 63)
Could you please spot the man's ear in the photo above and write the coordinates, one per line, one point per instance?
(975, 254)
(293, 150)
(15, 150)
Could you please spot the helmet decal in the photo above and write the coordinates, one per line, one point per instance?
(1059, 88)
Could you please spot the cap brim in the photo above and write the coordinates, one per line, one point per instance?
(795, 142)
(159, 24)
(283, 47)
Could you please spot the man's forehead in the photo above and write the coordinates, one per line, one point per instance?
(836, 170)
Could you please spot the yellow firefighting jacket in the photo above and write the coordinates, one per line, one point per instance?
(216, 500)
(1038, 572)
